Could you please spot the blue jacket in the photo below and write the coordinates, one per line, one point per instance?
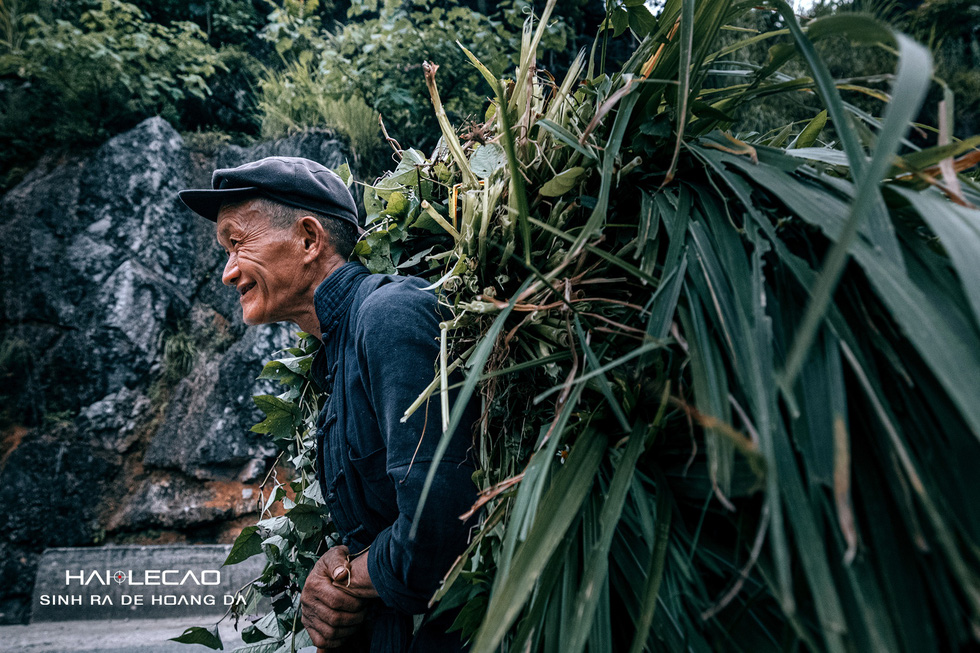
(380, 351)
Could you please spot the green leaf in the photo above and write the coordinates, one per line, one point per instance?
(196, 635)
(270, 625)
(810, 133)
(298, 364)
(558, 509)
(490, 78)
(280, 418)
(686, 41)
(562, 182)
(906, 97)
(641, 21)
(487, 159)
(611, 151)
(912, 81)
(933, 155)
(517, 194)
(566, 137)
(306, 517)
(619, 20)
(655, 571)
(259, 647)
(958, 229)
(247, 544)
(345, 174)
(596, 569)
(276, 371)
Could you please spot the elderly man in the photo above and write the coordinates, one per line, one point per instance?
(289, 225)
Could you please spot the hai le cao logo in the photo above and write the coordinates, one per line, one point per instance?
(149, 577)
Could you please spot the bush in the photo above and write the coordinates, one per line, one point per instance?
(292, 99)
(330, 78)
(67, 83)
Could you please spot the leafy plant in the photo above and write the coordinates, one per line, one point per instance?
(179, 352)
(728, 386)
(344, 76)
(294, 528)
(292, 100)
(76, 82)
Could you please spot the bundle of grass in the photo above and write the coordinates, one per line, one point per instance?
(729, 388)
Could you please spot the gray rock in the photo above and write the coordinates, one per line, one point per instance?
(113, 421)
(49, 489)
(253, 471)
(205, 432)
(175, 502)
(96, 249)
(128, 197)
(137, 304)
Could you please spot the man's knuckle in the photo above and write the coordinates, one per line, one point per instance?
(333, 599)
(316, 637)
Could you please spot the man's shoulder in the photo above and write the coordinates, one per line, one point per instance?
(395, 301)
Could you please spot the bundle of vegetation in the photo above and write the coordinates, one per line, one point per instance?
(729, 388)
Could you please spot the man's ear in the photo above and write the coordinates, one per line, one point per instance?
(314, 237)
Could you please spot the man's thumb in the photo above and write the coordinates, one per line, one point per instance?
(336, 562)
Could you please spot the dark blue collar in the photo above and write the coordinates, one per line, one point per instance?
(334, 295)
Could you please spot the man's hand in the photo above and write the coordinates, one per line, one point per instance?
(332, 610)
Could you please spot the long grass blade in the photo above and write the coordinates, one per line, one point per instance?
(684, 79)
(559, 509)
(912, 81)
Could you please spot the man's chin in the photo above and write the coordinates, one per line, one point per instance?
(253, 320)
(256, 319)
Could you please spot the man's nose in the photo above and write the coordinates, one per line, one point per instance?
(230, 274)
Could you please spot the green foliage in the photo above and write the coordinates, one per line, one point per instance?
(64, 83)
(294, 528)
(179, 353)
(197, 635)
(343, 78)
(225, 22)
(293, 99)
(58, 418)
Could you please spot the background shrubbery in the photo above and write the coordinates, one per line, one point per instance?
(80, 75)
(74, 72)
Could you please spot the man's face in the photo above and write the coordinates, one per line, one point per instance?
(264, 264)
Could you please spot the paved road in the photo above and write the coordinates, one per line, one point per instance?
(114, 636)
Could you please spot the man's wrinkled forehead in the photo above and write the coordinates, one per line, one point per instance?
(229, 219)
(236, 214)
(224, 229)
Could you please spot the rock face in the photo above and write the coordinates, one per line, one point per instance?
(49, 498)
(203, 431)
(122, 353)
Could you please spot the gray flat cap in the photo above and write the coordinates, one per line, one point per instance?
(290, 180)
